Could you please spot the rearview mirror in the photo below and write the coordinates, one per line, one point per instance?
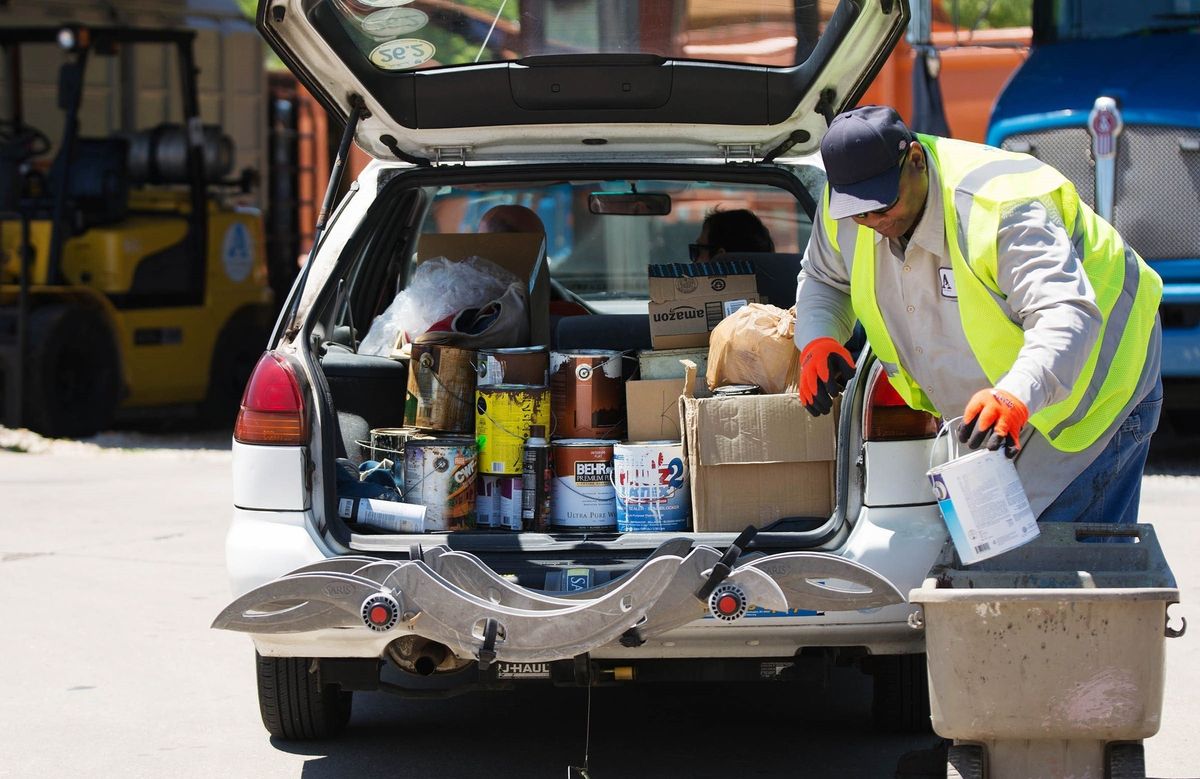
(630, 203)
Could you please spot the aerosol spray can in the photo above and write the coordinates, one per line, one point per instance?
(383, 514)
(536, 480)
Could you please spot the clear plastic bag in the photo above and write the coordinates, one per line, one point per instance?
(438, 288)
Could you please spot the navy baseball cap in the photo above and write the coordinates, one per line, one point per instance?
(862, 154)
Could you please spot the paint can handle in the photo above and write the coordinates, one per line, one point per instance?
(951, 441)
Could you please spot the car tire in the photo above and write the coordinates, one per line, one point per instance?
(238, 348)
(73, 378)
(966, 761)
(294, 704)
(900, 703)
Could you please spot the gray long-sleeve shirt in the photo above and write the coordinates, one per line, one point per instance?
(1046, 292)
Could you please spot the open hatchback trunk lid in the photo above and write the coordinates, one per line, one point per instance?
(509, 79)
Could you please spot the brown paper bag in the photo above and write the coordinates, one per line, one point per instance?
(754, 345)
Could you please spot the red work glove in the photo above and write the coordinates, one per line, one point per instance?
(994, 418)
(825, 367)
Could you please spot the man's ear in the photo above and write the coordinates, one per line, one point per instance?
(916, 156)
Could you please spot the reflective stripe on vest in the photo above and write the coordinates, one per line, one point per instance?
(978, 184)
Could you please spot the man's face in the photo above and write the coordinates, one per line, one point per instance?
(701, 251)
(902, 216)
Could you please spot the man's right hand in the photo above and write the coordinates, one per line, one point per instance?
(825, 368)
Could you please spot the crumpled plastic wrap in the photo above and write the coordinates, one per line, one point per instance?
(438, 288)
(754, 345)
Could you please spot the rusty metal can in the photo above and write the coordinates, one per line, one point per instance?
(520, 365)
(441, 389)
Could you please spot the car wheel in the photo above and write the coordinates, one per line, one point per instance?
(966, 761)
(73, 381)
(295, 705)
(1124, 761)
(901, 693)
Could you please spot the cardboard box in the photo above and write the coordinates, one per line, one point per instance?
(522, 253)
(688, 300)
(754, 459)
(653, 409)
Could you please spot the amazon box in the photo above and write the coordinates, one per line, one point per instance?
(687, 300)
(755, 459)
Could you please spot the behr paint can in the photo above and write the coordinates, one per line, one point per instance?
(519, 365)
(440, 474)
(587, 387)
(651, 487)
(582, 495)
(441, 389)
(504, 415)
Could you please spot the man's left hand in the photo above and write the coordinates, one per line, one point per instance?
(994, 418)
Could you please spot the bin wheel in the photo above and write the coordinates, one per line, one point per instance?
(294, 704)
(966, 761)
(1124, 761)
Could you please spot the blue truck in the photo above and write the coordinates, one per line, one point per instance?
(1110, 96)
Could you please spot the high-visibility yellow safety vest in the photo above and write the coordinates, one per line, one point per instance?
(978, 182)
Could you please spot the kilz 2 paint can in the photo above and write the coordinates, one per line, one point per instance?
(651, 485)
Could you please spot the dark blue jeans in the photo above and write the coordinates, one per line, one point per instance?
(1108, 490)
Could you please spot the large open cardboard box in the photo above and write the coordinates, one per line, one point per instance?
(522, 253)
(754, 459)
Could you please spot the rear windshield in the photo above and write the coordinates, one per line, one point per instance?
(602, 258)
(413, 34)
(1085, 19)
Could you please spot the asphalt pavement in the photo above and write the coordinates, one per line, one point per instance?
(111, 569)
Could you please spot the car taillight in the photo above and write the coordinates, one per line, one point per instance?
(888, 418)
(272, 406)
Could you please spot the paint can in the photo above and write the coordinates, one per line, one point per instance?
(508, 514)
(736, 390)
(588, 391)
(487, 496)
(582, 495)
(504, 415)
(983, 504)
(536, 479)
(651, 485)
(387, 443)
(440, 474)
(441, 389)
(520, 365)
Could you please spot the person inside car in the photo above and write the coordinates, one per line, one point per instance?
(730, 231)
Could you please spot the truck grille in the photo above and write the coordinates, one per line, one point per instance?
(1158, 182)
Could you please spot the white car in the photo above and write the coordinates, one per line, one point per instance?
(473, 104)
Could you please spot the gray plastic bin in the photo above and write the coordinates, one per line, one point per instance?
(1049, 658)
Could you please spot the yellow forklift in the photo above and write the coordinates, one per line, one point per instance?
(128, 282)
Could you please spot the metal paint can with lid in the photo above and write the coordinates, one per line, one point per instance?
(519, 365)
(651, 484)
(582, 494)
(587, 387)
(504, 415)
(441, 389)
(440, 474)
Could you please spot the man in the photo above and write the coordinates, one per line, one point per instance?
(730, 231)
(989, 291)
(511, 219)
